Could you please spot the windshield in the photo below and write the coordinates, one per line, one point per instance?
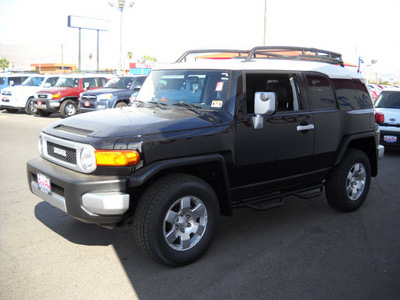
(119, 83)
(203, 89)
(388, 100)
(33, 81)
(67, 82)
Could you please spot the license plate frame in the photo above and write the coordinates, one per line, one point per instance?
(86, 103)
(392, 139)
(44, 183)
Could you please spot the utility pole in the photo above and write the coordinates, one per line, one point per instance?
(265, 24)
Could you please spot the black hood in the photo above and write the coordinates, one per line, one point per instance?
(132, 122)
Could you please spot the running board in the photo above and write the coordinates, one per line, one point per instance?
(275, 200)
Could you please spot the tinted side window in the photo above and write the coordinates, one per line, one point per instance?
(284, 86)
(17, 80)
(92, 82)
(365, 100)
(52, 80)
(348, 96)
(139, 81)
(321, 92)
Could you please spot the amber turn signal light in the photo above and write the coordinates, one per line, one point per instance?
(119, 158)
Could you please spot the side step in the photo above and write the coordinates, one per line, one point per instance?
(270, 201)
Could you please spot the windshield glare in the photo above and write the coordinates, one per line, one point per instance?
(388, 100)
(203, 88)
(119, 83)
(33, 81)
(67, 82)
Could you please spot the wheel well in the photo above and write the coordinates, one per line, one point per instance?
(367, 145)
(211, 172)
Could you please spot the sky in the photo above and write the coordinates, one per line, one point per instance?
(37, 31)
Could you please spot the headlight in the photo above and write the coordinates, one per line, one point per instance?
(87, 160)
(105, 96)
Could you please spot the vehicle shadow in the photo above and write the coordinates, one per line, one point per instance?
(242, 243)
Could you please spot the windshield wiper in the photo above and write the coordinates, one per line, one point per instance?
(159, 104)
(192, 107)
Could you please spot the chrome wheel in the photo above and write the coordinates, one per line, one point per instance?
(356, 181)
(70, 109)
(185, 223)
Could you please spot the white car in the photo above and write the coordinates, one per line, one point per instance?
(388, 104)
(16, 97)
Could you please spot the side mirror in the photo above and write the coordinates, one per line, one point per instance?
(86, 85)
(264, 104)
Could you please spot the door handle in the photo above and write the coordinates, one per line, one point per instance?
(305, 127)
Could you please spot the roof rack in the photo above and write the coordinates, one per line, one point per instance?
(296, 53)
(275, 52)
(198, 51)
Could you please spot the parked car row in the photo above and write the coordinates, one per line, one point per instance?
(68, 94)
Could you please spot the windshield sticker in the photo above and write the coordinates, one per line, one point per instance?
(219, 86)
(217, 103)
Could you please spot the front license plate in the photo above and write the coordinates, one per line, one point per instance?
(39, 103)
(5, 99)
(390, 138)
(44, 183)
(86, 103)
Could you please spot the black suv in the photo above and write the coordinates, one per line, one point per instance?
(115, 93)
(208, 136)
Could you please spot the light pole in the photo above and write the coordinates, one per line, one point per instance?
(265, 23)
(120, 6)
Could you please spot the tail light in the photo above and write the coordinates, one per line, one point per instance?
(379, 117)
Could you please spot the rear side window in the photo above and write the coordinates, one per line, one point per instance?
(17, 80)
(321, 92)
(351, 94)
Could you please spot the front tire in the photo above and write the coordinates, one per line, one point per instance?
(348, 184)
(176, 219)
(29, 108)
(68, 108)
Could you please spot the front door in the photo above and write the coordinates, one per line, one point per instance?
(283, 148)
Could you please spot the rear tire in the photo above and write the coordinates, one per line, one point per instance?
(348, 184)
(68, 108)
(176, 219)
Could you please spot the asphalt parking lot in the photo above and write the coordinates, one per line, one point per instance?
(301, 250)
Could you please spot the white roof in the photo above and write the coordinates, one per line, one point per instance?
(330, 70)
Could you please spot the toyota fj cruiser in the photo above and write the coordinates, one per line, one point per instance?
(64, 96)
(208, 136)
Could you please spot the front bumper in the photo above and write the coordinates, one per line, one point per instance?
(89, 198)
(46, 104)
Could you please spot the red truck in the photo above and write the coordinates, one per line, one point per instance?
(64, 96)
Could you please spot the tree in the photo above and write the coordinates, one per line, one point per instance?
(4, 63)
(147, 58)
(130, 55)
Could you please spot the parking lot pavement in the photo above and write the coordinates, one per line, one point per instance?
(301, 250)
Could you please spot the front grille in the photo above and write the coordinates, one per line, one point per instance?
(42, 96)
(85, 97)
(61, 152)
(65, 153)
